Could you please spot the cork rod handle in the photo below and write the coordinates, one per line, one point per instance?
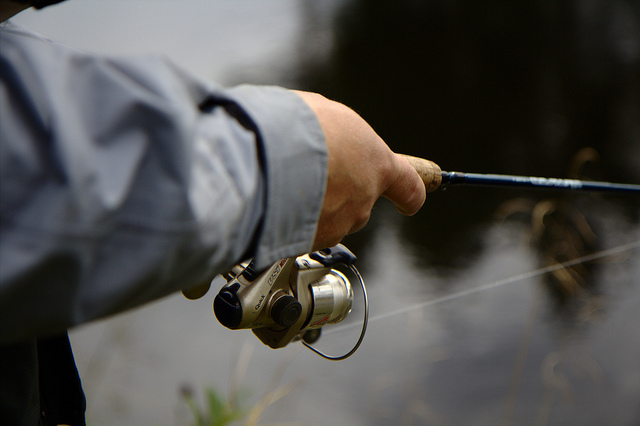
(428, 170)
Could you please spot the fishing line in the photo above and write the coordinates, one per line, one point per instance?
(500, 283)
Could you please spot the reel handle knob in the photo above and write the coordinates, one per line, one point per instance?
(228, 309)
(429, 171)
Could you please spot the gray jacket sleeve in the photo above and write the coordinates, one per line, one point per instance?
(125, 179)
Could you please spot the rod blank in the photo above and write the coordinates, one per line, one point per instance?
(476, 179)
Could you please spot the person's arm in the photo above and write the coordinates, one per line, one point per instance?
(125, 180)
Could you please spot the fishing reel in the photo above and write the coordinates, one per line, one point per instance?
(292, 299)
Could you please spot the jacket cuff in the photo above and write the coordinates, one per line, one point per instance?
(295, 166)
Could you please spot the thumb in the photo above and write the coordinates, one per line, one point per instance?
(407, 191)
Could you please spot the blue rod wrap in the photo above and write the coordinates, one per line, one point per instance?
(476, 179)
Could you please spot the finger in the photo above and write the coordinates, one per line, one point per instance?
(196, 292)
(407, 191)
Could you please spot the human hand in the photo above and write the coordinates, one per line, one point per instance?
(361, 168)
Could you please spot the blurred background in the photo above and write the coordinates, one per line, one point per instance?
(466, 326)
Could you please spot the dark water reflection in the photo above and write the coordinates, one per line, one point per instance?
(492, 87)
(535, 88)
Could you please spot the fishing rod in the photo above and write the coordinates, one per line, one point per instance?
(434, 178)
(296, 297)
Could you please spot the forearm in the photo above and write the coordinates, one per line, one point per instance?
(125, 180)
(118, 189)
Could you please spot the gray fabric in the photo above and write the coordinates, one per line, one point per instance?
(117, 188)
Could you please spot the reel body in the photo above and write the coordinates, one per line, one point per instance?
(291, 300)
